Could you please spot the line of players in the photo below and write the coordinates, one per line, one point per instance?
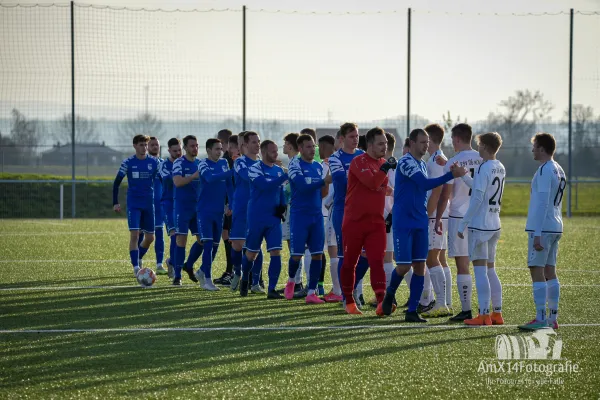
(304, 205)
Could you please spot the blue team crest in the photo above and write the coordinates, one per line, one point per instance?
(279, 174)
(149, 167)
(224, 168)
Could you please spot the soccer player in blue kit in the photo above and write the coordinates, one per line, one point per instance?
(166, 175)
(159, 239)
(309, 186)
(215, 177)
(186, 179)
(140, 170)
(265, 212)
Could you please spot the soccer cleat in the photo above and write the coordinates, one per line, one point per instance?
(206, 283)
(361, 298)
(257, 289)
(261, 283)
(534, 325)
(244, 288)
(160, 270)
(300, 294)
(288, 292)
(135, 271)
(191, 274)
(235, 282)
(224, 280)
(413, 316)
(313, 299)
(352, 309)
(553, 325)
(387, 305)
(461, 316)
(497, 318)
(321, 290)
(424, 308)
(439, 310)
(177, 282)
(332, 297)
(373, 303)
(273, 294)
(479, 320)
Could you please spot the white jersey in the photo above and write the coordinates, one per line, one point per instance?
(434, 170)
(327, 201)
(461, 193)
(389, 200)
(483, 213)
(545, 203)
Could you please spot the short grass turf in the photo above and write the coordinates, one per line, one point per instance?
(74, 275)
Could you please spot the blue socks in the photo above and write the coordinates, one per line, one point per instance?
(195, 253)
(274, 271)
(179, 257)
(207, 258)
(135, 257)
(159, 244)
(142, 251)
(257, 268)
(361, 270)
(246, 266)
(293, 266)
(315, 273)
(416, 290)
(215, 250)
(395, 281)
(236, 260)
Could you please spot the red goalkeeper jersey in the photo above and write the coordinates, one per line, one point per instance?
(367, 185)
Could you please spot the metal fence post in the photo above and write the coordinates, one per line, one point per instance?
(570, 175)
(62, 200)
(243, 68)
(72, 110)
(408, 78)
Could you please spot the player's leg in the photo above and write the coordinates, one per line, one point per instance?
(495, 284)
(147, 226)
(254, 239)
(436, 273)
(375, 246)
(420, 247)
(315, 241)
(168, 219)
(298, 237)
(159, 238)
(537, 261)
(353, 243)
(478, 253)
(336, 221)
(133, 223)
(552, 283)
(237, 236)
(361, 270)
(210, 232)
(273, 238)
(335, 295)
(225, 278)
(458, 249)
(446, 269)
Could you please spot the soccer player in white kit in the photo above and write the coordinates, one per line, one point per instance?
(544, 227)
(483, 221)
(460, 194)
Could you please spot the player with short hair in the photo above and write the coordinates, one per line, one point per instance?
(215, 186)
(313, 134)
(309, 185)
(140, 170)
(483, 221)
(410, 222)
(226, 136)
(165, 171)
(459, 194)
(266, 207)
(438, 272)
(186, 179)
(544, 228)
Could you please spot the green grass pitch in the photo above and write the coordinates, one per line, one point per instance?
(167, 342)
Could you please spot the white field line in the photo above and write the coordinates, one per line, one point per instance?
(56, 233)
(274, 328)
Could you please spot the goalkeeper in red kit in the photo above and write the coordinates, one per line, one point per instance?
(364, 226)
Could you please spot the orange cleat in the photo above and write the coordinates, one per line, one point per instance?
(352, 309)
(480, 320)
(497, 318)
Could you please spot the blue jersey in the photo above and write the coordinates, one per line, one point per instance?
(166, 175)
(241, 195)
(410, 193)
(215, 185)
(158, 186)
(266, 192)
(306, 181)
(339, 164)
(140, 180)
(186, 195)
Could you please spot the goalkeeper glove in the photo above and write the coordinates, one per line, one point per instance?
(391, 163)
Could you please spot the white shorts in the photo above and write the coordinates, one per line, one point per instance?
(457, 247)
(482, 245)
(390, 242)
(438, 241)
(548, 255)
(285, 226)
(330, 240)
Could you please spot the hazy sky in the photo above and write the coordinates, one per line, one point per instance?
(338, 67)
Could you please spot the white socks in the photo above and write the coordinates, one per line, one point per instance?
(333, 270)
(298, 277)
(553, 293)
(438, 281)
(539, 298)
(307, 261)
(448, 276)
(388, 268)
(427, 295)
(464, 285)
(496, 290)
(483, 288)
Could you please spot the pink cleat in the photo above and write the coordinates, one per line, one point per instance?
(332, 298)
(288, 292)
(553, 325)
(313, 299)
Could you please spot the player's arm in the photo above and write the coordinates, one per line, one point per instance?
(210, 176)
(477, 194)
(241, 169)
(301, 182)
(413, 172)
(441, 206)
(337, 171)
(178, 179)
(432, 203)
(229, 189)
(259, 180)
(543, 189)
(118, 179)
(372, 180)
(468, 181)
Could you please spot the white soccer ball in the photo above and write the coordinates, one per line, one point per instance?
(146, 277)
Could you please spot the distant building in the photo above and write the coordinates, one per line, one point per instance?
(92, 154)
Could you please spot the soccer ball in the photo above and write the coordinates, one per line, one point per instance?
(146, 277)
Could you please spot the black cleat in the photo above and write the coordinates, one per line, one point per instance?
(461, 316)
(274, 294)
(177, 282)
(244, 289)
(224, 280)
(261, 283)
(300, 294)
(387, 304)
(421, 308)
(413, 316)
(191, 275)
(361, 298)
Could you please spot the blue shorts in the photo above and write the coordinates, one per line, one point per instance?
(186, 219)
(238, 226)
(140, 219)
(211, 226)
(410, 244)
(337, 218)
(271, 232)
(168, 215)
(306, 230)
(159, 215)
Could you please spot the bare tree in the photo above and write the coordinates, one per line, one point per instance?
(85, 130)
(25, 133)
(143, 124)
(583, 126)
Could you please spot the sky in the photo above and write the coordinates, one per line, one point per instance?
(325, 67)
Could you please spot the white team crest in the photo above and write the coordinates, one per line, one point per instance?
(149, 167)
(224, 168)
